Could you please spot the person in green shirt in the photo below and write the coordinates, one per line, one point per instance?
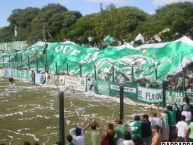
(172, 122)
(119, 131)
(92, 135)
(190, 132)
(136, 128)
(69, 139)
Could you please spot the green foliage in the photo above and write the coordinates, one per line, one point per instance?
(121, 23)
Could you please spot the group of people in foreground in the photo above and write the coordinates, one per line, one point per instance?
(164, 126)
(167, 126)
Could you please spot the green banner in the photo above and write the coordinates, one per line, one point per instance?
(123, 63)
(23, 75)
(26, 75)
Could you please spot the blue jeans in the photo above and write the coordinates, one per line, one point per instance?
(173, 132)
(147, 140)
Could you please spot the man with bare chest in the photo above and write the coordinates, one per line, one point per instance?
(157, 138)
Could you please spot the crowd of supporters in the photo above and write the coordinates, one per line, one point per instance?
(142, 131)
(166, 125)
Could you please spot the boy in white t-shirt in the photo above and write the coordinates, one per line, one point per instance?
(182, 127)
(127, 139)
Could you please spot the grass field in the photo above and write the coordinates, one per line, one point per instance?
(29, 112)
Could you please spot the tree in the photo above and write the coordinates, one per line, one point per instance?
(122, 23)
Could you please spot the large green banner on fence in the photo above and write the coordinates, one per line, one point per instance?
(120, 64)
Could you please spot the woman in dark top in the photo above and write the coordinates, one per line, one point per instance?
(109, 135)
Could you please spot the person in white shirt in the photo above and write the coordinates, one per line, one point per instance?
(78, 136)
(188, 115)
(182, 127)
(127, 139)
(156, 120)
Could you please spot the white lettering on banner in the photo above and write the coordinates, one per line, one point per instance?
(75, 82)
(90, 57)
(114, 87)
(126, 89)
(174, 97)
(67, 50)
(150, 95)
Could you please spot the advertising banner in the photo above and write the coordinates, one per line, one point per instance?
(130, 89)
(76, 83)
(7, 72)
(40, 78)
(1, 73)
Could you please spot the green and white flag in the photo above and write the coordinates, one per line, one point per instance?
(109, 39)
(169, 59)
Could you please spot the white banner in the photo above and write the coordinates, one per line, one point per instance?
(76, 83)
(51, 79)
(126, 89)
(1, 73)
(40, 78)
(173, 97)
(61, 80)
(150, 95)
(7, 72)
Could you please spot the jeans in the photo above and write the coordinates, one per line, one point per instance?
(173, 133)
(147, 140)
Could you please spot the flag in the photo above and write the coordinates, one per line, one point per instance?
(90, 39)
(108, 39)
(157, 37)
(139, 37)
(15, 30)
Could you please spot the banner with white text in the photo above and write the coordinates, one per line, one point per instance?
(150, 95)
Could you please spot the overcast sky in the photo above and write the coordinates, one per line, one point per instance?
(84, 6)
